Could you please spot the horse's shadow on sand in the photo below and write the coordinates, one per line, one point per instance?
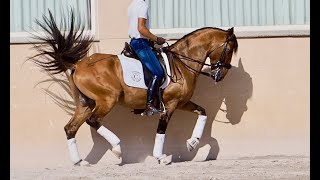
(137, 133)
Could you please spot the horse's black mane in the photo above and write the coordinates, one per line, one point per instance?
(195, 31)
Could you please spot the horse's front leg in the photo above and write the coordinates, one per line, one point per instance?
(199, 127)
(160, 136)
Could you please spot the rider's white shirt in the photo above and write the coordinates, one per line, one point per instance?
(137, 9)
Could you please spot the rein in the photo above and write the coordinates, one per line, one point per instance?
(194, 60)
(216, 65)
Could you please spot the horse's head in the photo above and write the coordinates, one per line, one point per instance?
(220, 57)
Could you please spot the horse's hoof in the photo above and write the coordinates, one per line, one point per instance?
(192, 143)
(164, 159)
(82, 163)
(117, 151)
(151, 160)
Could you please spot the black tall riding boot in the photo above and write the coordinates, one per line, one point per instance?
(151, 93)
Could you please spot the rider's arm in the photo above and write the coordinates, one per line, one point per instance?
(142, 28)
(145, 31)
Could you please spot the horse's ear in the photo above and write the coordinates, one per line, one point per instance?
(230, 31)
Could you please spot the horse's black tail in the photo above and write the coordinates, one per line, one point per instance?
(59, 51)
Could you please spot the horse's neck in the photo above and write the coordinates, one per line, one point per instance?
(195, 49)
(198, 44)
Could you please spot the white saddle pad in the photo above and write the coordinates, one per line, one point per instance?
(133, 72)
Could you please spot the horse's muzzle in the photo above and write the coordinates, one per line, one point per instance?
(216, 75)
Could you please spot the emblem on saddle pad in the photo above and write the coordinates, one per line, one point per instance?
(136, 76)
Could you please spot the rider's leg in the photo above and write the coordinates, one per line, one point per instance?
(148, 58)
(153, 89)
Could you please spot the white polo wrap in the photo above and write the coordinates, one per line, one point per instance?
(73, 150)
(109, 136)
(199, 127)
(158, 145)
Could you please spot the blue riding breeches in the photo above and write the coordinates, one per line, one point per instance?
(147, 57)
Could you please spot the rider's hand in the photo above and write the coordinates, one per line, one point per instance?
(160, 40)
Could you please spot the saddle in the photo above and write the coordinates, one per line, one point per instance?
(129, 52)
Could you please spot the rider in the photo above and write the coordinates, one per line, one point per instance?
(140, 36)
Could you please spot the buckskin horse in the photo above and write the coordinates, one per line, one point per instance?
(97, 81)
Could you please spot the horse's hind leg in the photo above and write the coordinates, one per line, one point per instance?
(199, 127)
(71, 128)
(102, 108)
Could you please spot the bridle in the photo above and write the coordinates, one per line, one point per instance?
(216, 67)
(215, 72)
